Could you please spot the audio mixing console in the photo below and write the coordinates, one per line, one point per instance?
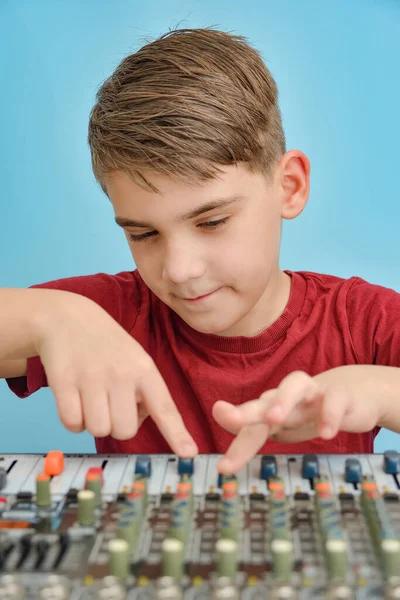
(134, 527)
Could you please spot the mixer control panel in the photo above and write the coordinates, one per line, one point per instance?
(156, 527)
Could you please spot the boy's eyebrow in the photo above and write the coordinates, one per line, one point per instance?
(212, 204)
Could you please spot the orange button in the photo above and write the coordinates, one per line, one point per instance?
(322, 486)
(54, 463)
(15, 524)
(95, 471)
(369, 485)
(275, 485)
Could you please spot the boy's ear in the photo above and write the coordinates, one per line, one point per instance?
(293, 179)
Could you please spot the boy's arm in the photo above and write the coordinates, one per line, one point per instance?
(23, 313)
(13, 368)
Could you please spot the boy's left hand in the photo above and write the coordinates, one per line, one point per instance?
(300, 408)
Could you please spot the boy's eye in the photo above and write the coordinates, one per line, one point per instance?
(142, 237)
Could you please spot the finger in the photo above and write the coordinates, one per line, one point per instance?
(163, 411)
(307, 431)
(252, 412)
(245, 445)
(295, 388)
(335, 404)
(226, 416)
(123, 412)
(96, 409)
(69, 408)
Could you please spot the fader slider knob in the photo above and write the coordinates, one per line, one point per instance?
(352, 470)
(143, 466)
(269, 467)
(391, 462)
(310, 466)
(185, 466)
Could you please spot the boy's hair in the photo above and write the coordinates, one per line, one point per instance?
(182, 105)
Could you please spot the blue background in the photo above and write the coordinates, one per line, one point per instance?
(337, 68)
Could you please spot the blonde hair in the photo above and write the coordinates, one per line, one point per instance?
(183, 105)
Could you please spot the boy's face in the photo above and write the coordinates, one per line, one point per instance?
(229, 253)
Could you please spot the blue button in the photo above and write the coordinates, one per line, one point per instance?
(185, 466)
(310, 466)
(143, 466)
(391, 462)
(352, 470)
(268, 467)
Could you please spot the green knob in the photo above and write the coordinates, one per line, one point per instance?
(226, 549)
(336, 559)
(390, 549)
(127, 530)
(282, 558)
(172, 551)
(93, 483)
(118, 558)
(86, 508)
(43, 495)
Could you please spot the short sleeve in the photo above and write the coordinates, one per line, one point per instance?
(373, 314)
(119, 295)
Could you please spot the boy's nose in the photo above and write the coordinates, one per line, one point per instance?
(181, 264)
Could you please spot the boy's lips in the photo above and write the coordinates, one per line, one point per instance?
(202, 297)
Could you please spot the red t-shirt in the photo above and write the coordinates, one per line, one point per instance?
(328, 322)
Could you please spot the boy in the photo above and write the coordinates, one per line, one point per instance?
(223, 350)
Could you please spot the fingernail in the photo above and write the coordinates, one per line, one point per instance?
(327, 431)
(225, 465)
(189, 449)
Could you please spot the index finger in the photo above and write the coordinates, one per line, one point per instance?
(246, 444)
(165, 414)
(295, 388)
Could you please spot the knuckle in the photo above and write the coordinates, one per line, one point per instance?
(147, 367)
(267, 395)
(124, 434)
(61, 381)
(90, 376)
(298, 376)
(341, 390)
(121, 373)
(98, 429)
(72, 422)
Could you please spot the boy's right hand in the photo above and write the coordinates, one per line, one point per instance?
(102, 379)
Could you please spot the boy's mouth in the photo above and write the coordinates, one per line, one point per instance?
(199, 298)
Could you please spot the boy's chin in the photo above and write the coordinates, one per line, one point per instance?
(209, 326)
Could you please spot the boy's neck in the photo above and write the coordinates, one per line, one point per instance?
(268, 309)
